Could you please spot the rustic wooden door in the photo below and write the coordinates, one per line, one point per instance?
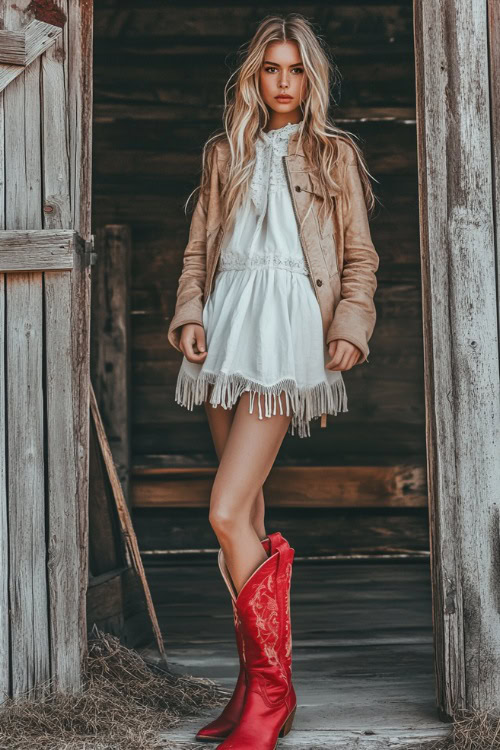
(45, 249)
(458, 101)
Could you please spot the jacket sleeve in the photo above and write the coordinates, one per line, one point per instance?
(189, 302)
(355, 315)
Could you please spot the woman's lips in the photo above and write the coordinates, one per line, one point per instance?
(284, 98)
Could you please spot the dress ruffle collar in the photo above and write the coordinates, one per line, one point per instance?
(265, 145)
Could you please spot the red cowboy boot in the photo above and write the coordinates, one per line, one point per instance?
(263, 607)
(223, 725)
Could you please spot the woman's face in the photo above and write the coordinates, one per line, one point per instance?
(282, 74)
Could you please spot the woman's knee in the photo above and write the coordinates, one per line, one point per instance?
(225, 520)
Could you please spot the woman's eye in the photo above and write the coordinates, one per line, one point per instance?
(271, 69)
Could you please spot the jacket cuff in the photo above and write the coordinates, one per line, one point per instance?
(174, 330)
(334, 336)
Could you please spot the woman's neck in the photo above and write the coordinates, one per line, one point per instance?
(279, 120)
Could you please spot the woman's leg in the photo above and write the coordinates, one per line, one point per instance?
(248, 455)
(220, 421)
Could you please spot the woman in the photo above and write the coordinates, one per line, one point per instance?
(274, 302)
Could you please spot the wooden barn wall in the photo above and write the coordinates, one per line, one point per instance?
(160, 71)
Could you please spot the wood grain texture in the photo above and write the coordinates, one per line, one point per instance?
(22, 47)
(460, 347)
(4, 528)
(27, 565)
(290, 486)
(22, 188)
(78, 66)
(55, 136)
(110, 342)
(29, 625)
(494, 55)
(80, 358)
(63, 553)
(37, 250)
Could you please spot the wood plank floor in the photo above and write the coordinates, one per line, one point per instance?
(362, 648)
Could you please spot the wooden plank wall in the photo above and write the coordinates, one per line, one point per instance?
(159, 77)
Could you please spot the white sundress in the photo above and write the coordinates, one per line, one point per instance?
(262, 321)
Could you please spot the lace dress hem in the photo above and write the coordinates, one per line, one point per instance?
(306, 403)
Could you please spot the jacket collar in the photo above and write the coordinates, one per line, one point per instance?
(293, 148)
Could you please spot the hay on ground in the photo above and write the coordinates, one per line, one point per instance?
(470, 730)
(125, 704)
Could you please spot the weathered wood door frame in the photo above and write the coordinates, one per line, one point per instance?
(457, 79)
(45, 178)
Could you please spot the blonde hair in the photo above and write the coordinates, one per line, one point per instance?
(245, 113)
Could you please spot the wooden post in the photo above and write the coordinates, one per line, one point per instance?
(110, 341)
(460, 327)
(494, 52)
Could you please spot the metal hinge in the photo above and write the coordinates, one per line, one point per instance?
(90, 254)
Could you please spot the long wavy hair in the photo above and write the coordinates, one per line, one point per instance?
(245, 113)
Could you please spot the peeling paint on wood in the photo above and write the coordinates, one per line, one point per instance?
(48, 11)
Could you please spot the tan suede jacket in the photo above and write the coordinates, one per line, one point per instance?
(340, 255)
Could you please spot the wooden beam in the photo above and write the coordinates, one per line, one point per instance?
(106, 111)
(38, 249)
(460, 327)
(18, 49)
(22, 47)
(290, 486)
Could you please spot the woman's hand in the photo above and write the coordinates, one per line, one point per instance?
(344, 355)
(192, 342)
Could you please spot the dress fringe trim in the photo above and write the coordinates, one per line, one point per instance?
(306, 403)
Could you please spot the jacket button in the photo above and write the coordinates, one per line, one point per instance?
(318, 282)
(298, 188)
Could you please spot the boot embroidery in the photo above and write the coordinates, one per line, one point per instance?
(288, 631)
(265, 608)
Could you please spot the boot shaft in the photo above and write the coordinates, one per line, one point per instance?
(263, 607)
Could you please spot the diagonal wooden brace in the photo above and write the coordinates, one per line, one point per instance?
(19, 48)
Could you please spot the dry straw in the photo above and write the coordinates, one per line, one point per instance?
(125, 703)
(470, 730)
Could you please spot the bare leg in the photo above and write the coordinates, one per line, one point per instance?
(249, 453)
(220, 421)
